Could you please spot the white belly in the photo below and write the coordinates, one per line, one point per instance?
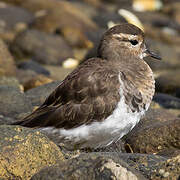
(99, 134)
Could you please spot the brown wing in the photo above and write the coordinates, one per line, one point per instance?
(88, 94)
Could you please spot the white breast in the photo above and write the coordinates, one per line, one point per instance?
(100, 134)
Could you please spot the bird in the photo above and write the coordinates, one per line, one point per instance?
(104, 97)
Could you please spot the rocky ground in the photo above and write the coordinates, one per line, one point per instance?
(41, 41)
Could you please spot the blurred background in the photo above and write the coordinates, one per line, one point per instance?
(44, 40)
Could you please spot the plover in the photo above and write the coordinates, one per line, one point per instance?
(104, 98)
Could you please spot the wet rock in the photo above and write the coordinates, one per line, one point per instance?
(89, 167)
(7, 67)
(34, 66)
(58, 73)
(23, 152)
(36, 81)
(13, 102)
(13, 20)
(38, 95)
(167, 101)
(157, 131)
(62, 16)
(42, 47)
(169, 82)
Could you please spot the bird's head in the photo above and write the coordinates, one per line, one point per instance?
(124, 40)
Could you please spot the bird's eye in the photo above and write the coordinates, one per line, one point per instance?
(134, 42)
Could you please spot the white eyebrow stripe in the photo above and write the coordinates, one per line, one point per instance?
(128, 36)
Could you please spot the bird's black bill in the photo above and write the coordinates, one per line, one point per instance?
(155, 56)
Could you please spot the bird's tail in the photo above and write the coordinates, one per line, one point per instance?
(37, 118)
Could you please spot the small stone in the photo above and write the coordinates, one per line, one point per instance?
(150, 5)
(166, 174)
(161, 171)
(70, 63)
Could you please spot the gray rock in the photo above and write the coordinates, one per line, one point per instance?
(90, 6)
(42, 47)
(7, 67)
(157, 19)
(12, 15)
(167, 101)
(154, 116)
(34, 66)
(155, 133)
(167, 170)
(90, 167)
(169, 153)
(10, 81)
(169, 82)
(153, 166)
(13, 102)
(64, 18)
(144, 163)
(13, 20)
(6, 120)
(104, 17)
(168, 53)
(25, 75)
(38, 95)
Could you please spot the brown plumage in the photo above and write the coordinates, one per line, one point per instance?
(92, 91)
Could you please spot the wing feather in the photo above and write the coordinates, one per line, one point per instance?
(80, 99)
